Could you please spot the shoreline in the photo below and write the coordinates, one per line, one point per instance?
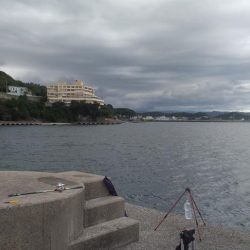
(245, 121)
(113, 122)
(167, 235)
(32, 123)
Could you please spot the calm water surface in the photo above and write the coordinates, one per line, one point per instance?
(150, 163)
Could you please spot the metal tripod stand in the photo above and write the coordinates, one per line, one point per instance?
(194, 208)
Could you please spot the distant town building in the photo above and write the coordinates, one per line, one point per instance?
(67, 92)
(148, 118)
(135, 118)
(162, 118)
(17, 91)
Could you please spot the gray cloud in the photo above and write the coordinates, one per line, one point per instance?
(146, 55)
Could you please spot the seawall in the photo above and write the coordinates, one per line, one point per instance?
(86, 217)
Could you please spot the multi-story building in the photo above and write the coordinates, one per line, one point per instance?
(77, 91)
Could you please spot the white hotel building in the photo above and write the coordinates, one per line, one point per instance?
(77, 91)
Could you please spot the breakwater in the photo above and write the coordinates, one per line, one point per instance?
(87, 123)
(18, 123)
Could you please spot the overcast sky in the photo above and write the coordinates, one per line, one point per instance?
(141, 54)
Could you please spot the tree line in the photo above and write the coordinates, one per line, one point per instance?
(24, 109)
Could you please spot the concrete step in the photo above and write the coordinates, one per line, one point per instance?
(108, 235)
(95, 188)
(103, 209)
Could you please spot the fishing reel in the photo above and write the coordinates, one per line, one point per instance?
(60, 187)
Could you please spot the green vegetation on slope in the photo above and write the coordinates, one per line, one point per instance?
(234, 116)
(23, 109)
(36, 89)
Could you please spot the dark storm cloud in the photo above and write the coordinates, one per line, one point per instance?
(147, 55)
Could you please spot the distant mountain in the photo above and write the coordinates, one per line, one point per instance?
(212, 115)
(190, 115)
(215, 113)
(153, 113)
(7, 80)
(125, 112)
(234, 116)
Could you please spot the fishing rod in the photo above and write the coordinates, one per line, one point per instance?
(11, 202)
(60, 187)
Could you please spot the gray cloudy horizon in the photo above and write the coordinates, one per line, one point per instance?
(154, 55)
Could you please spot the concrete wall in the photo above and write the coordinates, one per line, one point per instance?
(56, 220)
(48, 225)
(5, 96)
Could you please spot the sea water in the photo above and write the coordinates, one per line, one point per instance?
(150, 164)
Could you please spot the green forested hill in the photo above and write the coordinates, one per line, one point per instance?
(22, 108)
(6, 79)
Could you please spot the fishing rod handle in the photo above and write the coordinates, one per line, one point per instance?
(14, 195)
(77, 187)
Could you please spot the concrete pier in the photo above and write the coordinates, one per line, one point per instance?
(85, 218)
(214, 237)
